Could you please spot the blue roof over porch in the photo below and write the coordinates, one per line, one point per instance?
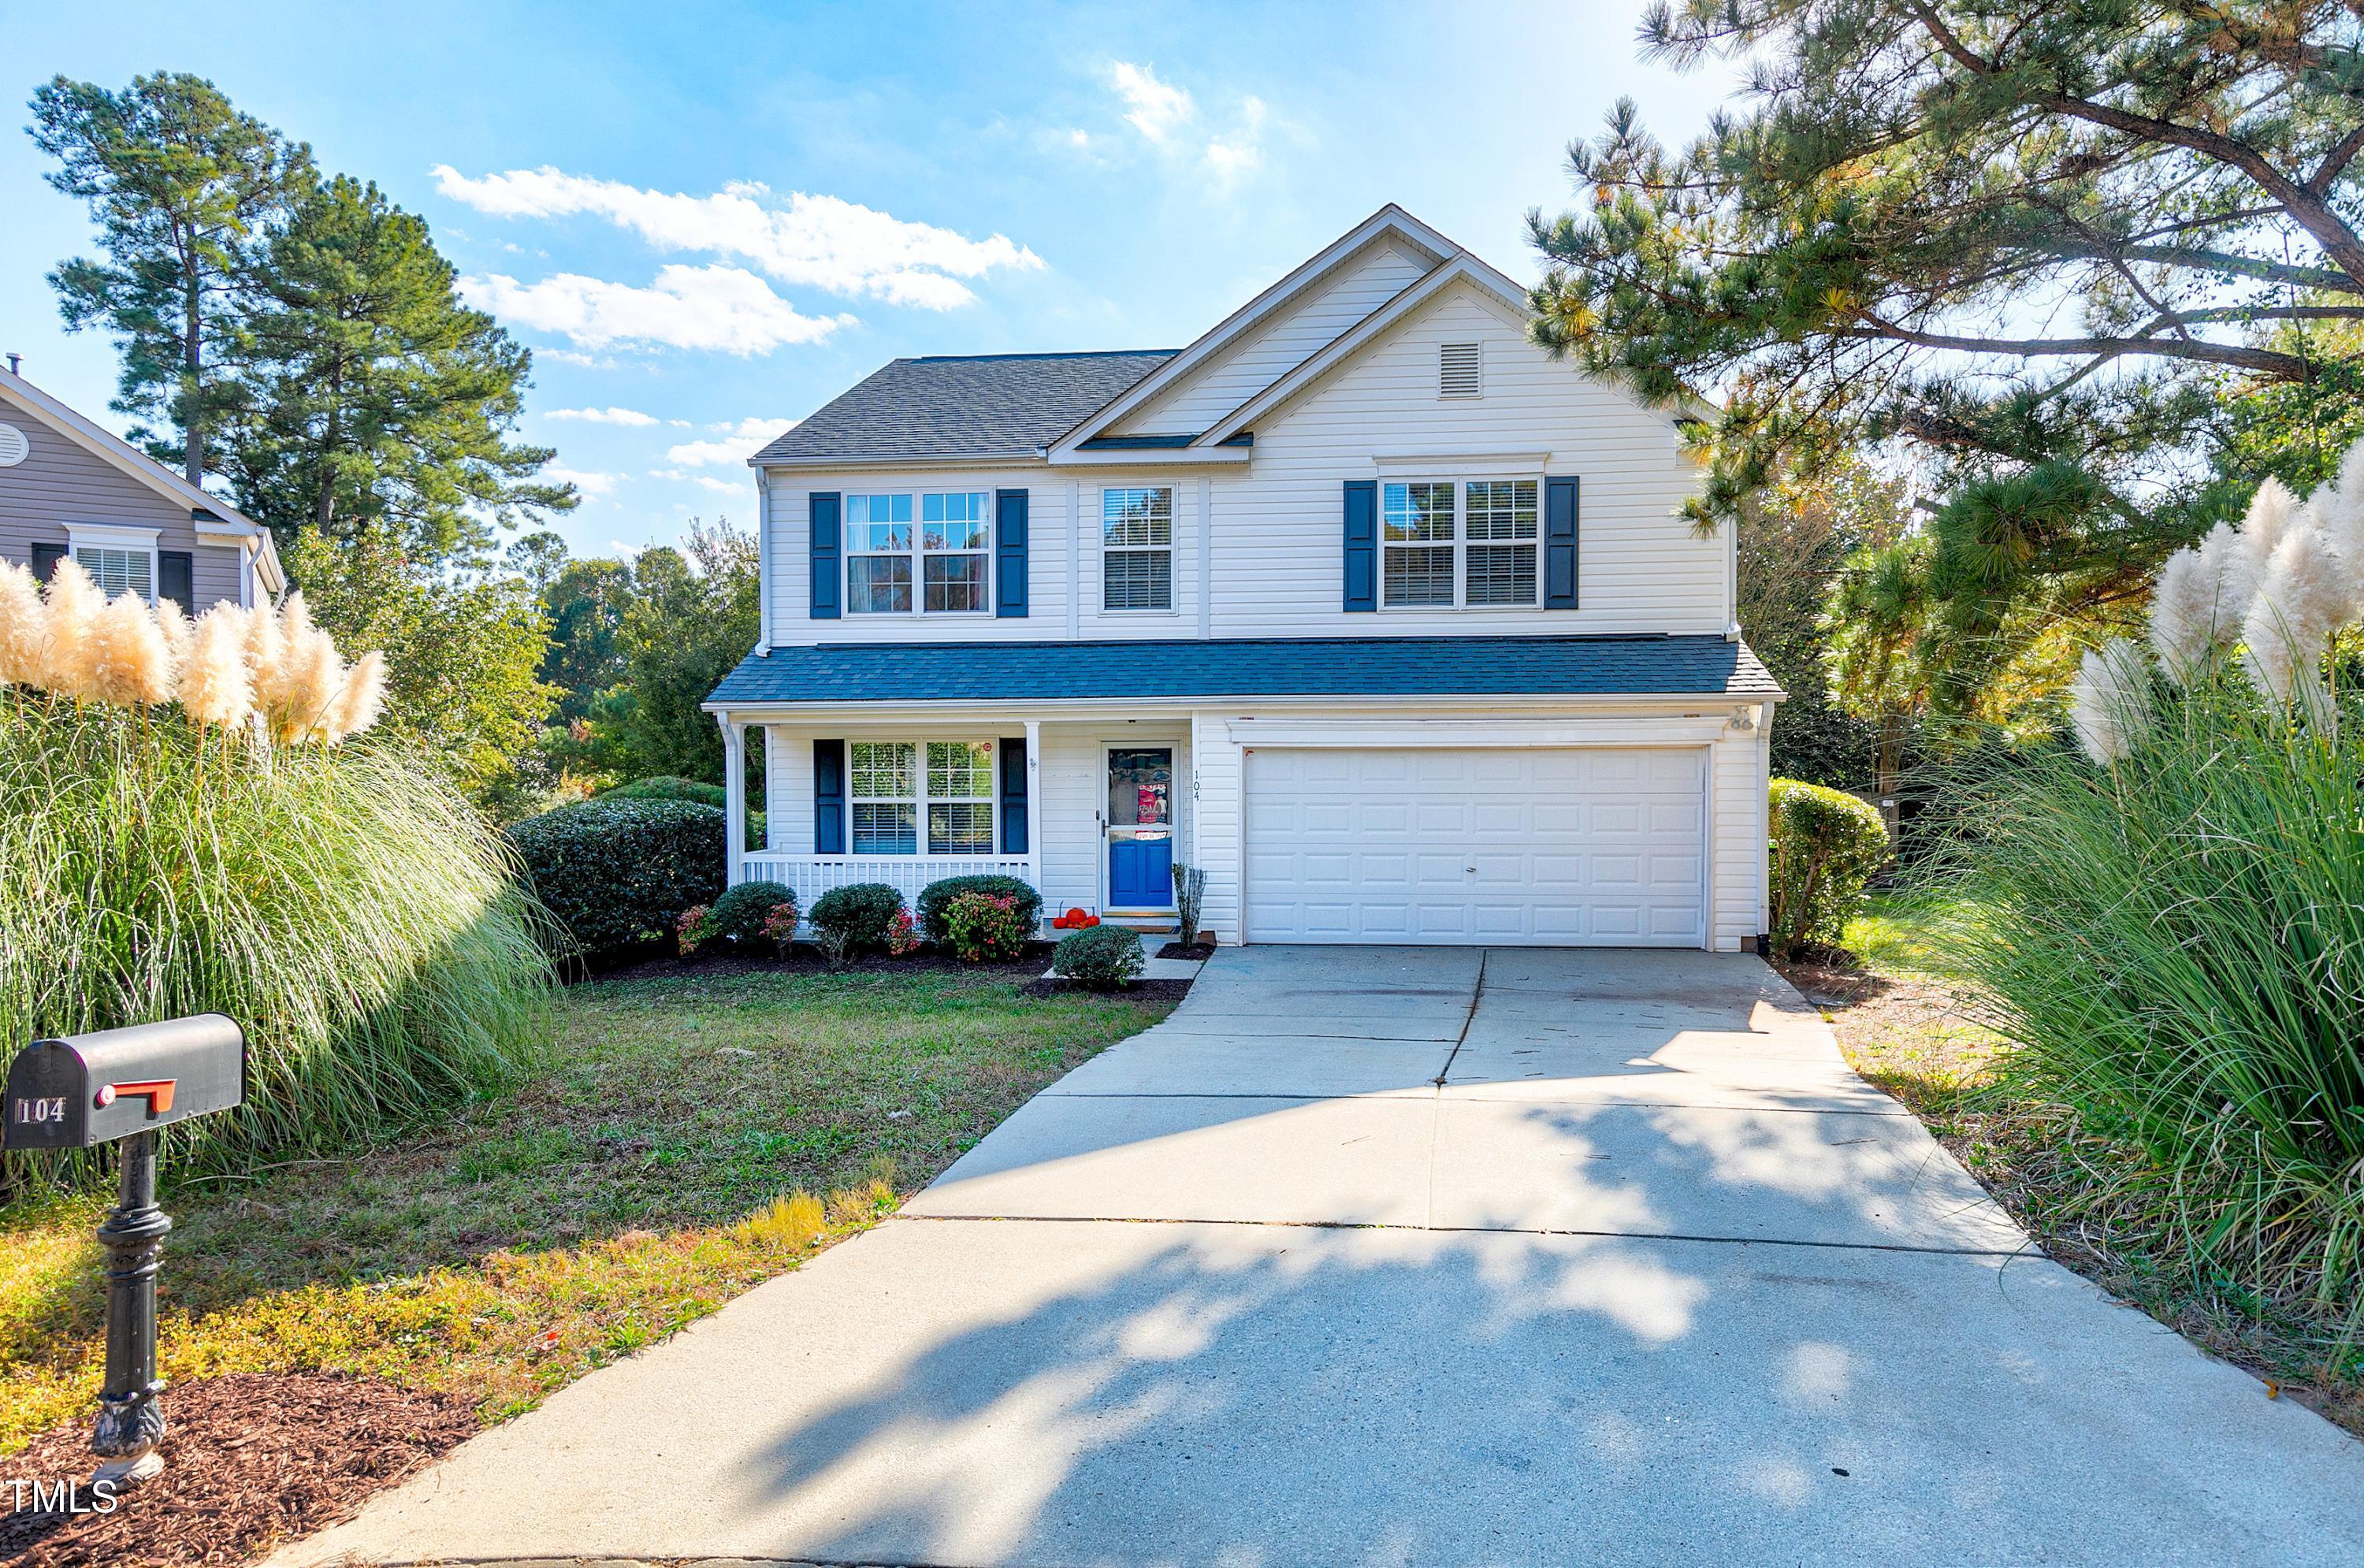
(990, 672)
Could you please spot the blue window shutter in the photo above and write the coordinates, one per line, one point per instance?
(1009, 558)
(1559, 544)
(829, 797)
(827, 574)
(1013, 794)
(1361, 544)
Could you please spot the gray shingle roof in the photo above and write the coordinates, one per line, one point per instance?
(963, 406)
(1398, 666)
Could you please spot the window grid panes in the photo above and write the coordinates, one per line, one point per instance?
(1501, 569)
(960, 797)
(118, 571)
(884, 793)
(1137, 549)
(1416, 529)
(953, 536)
(878, 554)
(893, 787)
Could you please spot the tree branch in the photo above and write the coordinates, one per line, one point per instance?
(2284, 367)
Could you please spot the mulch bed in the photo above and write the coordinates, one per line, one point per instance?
(252, 1459)
(1198, 952)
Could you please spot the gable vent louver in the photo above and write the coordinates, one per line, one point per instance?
(1460, 371)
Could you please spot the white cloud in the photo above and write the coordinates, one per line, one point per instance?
(707, 480)
(728, 308)
(1240, 152)
(822, 243)
(738, 444)
(603, 415)
(595, 486)
(623, 550)
(1157, 109)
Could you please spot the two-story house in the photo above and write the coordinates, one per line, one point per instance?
(1360, 603)
(70, 488)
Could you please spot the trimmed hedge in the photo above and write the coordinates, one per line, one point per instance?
(617, 871)
(667, 787)
(861, 911)
(739, 916)
(1827, 844)
(1101, 957)
(936, 896)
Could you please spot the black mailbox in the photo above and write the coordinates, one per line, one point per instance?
(88, 1089)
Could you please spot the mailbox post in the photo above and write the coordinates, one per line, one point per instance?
(125, 1085)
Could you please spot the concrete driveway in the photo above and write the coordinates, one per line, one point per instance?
(1419, 1256)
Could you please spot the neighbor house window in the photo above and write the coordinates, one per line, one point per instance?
(1137, 549)
(884, 797)
(960, 797)
(878, 554)
(1469, 545)
(895, 787)
(952, 548)
(944, 555)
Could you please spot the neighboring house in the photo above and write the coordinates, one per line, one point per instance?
(1360, 603)
(69, 489)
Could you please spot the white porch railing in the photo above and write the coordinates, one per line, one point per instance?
(809, 877)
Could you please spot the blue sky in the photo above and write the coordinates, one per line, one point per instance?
(707, 219)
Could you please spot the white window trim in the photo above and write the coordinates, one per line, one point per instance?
(1460, 479)
(917, 555)
(117, 536)
(919, 799)
(1168, 607)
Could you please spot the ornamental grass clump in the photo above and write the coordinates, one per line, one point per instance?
(2172, 926)
(164, 852)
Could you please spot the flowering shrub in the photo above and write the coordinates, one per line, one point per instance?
(986, 928)
(862, 912)
(228, 665)
(742, 915)
(689, 927)
(780, 924)
(902, 935)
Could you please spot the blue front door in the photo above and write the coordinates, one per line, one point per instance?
(1140, 826)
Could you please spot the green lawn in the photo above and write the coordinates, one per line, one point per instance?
(529, 1238)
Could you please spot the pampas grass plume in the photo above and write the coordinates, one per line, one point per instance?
(215, 687)
(72, 604)
(2301, 600)
(23, 625)
(362, 699)
(2109, 700)
(128, 661)
(2183, 616)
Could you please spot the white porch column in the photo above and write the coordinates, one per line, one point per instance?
(734, 791)
(1034, 803)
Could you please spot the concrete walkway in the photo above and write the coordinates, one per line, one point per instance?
(1394, 1256)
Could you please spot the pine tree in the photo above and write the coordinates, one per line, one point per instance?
(181, 186)
(372, 400)
(2045, 245)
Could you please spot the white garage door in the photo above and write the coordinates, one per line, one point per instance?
(1532, 847)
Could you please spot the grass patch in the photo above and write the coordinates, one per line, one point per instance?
(1904, 1021)
(688, 1138)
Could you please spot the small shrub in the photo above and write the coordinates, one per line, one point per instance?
(620, 872)
(668, 787)
(864, 911)
(835, 946)
(743, 915)
(986, 928)
(1100, 957)
(936, 896)
(690, 928)
(1827, 844)
(780, 926)
(1189, 900)
(902, 937)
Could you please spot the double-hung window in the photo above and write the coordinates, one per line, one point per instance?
(1471, 544)
(1137, 548)
(120, 560)
(893, 567)
(952, 550)
(878, 554)
(897, 788)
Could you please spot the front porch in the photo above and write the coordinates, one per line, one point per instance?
(1092, 813)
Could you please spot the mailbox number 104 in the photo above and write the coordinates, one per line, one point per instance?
(39, 1110)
